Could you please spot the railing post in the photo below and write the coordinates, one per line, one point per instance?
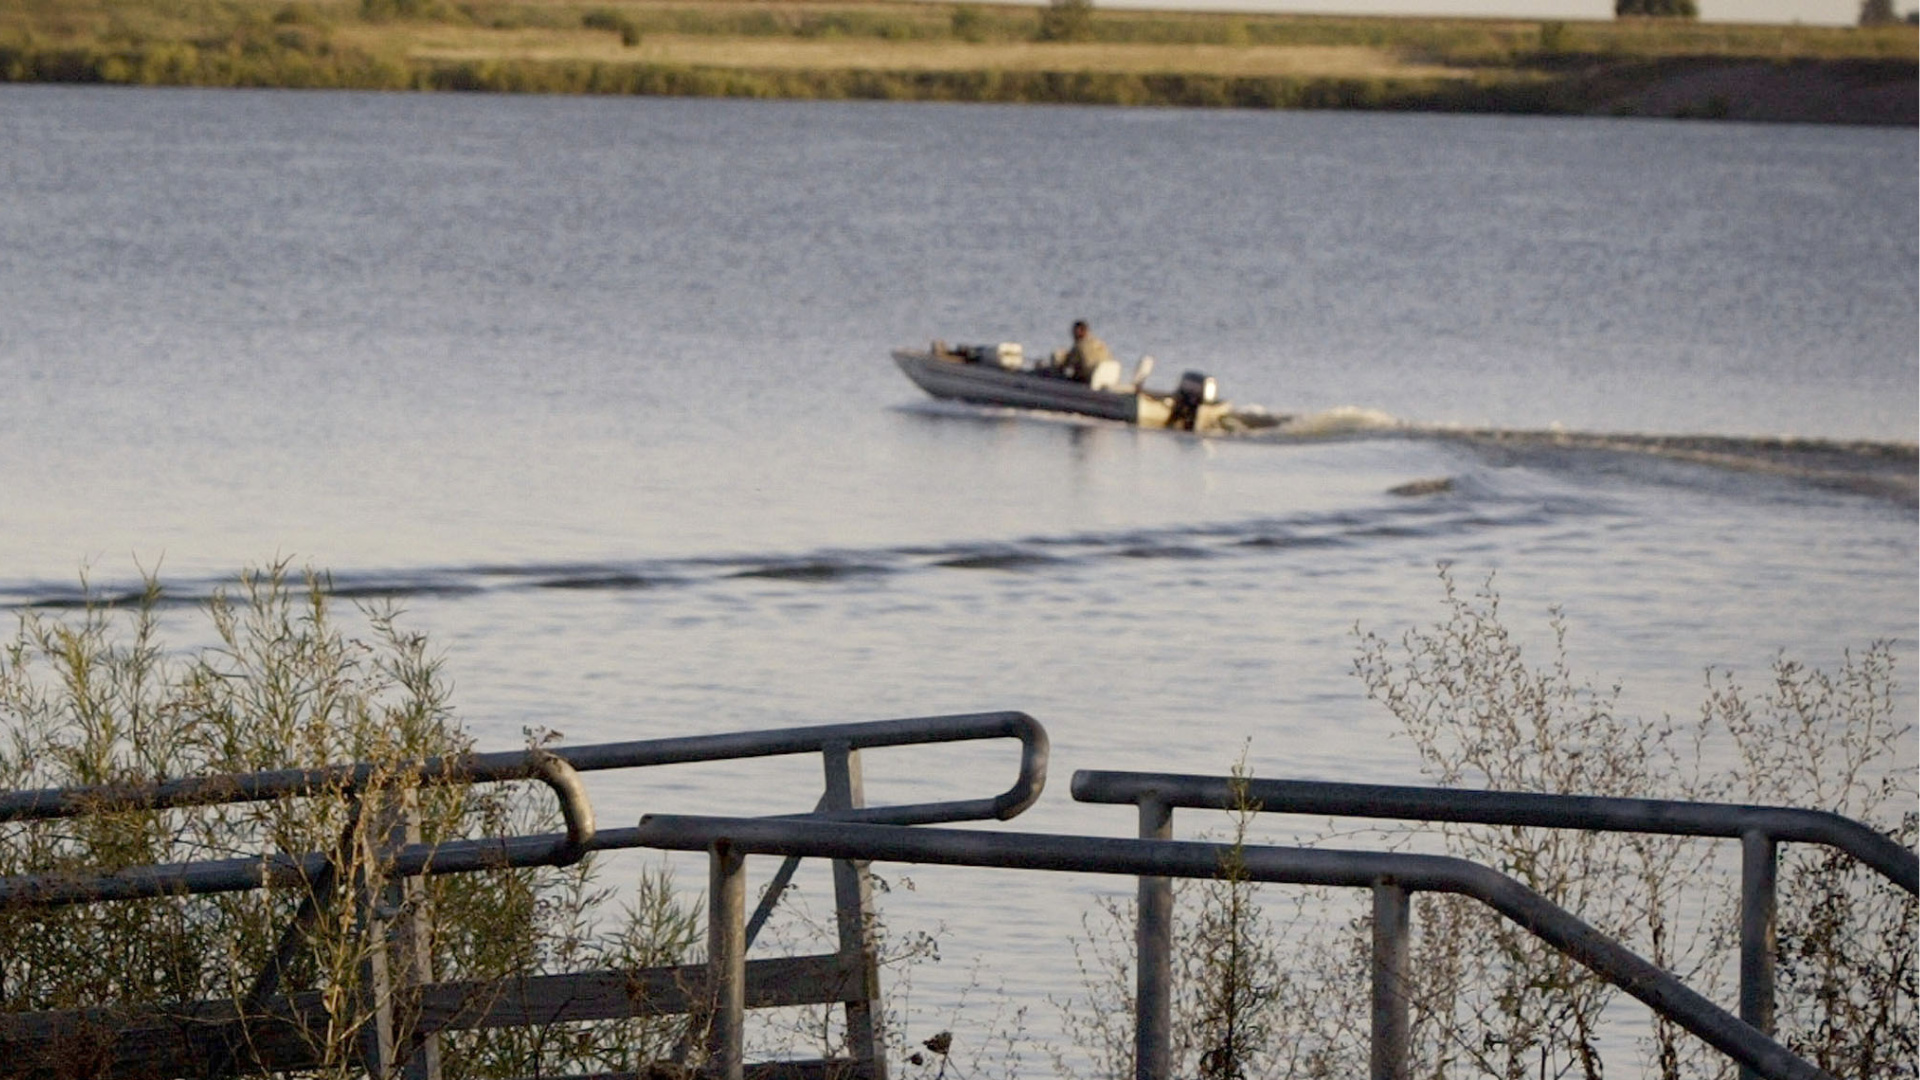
(853, 909)
(1392, 970)
(1153, 940)
(726, 960)
(393, 916)
(1759, 870)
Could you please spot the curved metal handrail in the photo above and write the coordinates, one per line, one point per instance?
(49, 803)
(1896, 862)
(558, 768)
(1298, 866)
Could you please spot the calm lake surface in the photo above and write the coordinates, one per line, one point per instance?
(600, 390)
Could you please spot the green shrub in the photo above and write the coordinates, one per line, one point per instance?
(1657, 9)
(1553, 37)
(96, 698)
(608, 19)
(1066, 20)
(967, 23)
(1482, 715)
(1488, 998)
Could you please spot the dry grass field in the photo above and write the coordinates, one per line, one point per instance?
(965, 51)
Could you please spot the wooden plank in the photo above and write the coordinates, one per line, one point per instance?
(181, 1039)
(165, 1041)
(823, 1069)
(829, 1069)
(613, 995)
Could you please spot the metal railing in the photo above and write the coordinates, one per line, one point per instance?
(508, 765)
(1391, 877)
(1760, 829)
(268, 1029)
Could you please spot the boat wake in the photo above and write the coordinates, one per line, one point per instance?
(1332, 423)
(1476, 510)
(1888, 470)
(1884, 470)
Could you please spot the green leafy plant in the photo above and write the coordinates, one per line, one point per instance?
(95, 698)
(1066, 20)
(1482, 714)
(1656, 9)
(609, 19)
(1482, 711)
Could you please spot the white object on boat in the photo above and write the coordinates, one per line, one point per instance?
(1140, 372)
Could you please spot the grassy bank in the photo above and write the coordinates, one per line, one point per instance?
(966, 52)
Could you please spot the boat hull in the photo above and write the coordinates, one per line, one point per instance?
(984, 384)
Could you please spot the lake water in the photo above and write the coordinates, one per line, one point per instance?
(600, 389)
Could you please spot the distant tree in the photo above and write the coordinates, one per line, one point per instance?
(1066, 20)
(1656, 9)
(1878, 13)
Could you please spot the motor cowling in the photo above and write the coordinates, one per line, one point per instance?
(1199, 387)
(1196, 388)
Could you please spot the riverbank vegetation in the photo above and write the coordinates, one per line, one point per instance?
(97, 698)
(1486, 709)
(1272, 981)
(1068, 51)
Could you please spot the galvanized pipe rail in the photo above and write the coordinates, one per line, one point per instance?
(50, 803)
(557, 768)
(729, 840)
(1760, 829)
(847, 976)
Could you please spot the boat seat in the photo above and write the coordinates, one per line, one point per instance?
(1106, 375)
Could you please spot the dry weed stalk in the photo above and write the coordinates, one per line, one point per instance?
(94, 698)
(1489, 999)
(1481, 715)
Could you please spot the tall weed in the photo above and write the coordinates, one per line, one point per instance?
(1481, 714)
(1488, 998)
(95, 698)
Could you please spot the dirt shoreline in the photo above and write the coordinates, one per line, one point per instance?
(1855, 92)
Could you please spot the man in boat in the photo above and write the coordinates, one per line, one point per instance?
(1086, 354)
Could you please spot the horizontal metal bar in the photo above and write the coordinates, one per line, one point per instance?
(51, 803)
(558, 769)
(872, 735)
(1662, 816)
(65, 888)
(203, 877)
(1299, 866)
(496, 767)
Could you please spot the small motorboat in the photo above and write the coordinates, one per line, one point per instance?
(1000, 375)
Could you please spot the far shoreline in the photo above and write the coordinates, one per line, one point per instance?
(891, 50)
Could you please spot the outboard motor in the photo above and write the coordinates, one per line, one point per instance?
(1196, 388)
